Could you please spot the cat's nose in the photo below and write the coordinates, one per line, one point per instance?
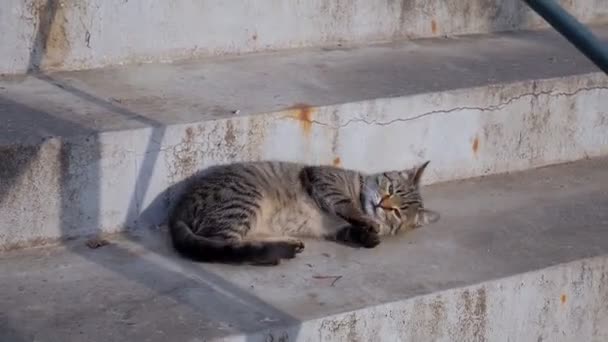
(387, 202)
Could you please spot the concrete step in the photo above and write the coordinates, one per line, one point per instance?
(517, 257)
(69, 35)
(97, 151)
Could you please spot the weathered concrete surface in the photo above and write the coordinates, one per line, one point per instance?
(462, 279)
(68, 34)
(91, 152)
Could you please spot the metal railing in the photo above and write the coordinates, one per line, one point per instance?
(569, 27)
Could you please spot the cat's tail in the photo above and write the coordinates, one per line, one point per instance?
(205, 249)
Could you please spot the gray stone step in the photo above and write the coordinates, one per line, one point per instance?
(69, 35)
(517, 257)
(97, 151)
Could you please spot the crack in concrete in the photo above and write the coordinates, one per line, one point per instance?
(202, 145)
(457, 109)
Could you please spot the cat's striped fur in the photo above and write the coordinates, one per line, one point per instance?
(254, 212)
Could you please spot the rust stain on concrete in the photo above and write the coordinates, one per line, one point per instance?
(434, 26)
(305, 115)
(52, 43)
(337, 161)
(475, 145)
(563, 298)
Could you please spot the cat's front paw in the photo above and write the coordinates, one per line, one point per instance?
(370, 239)
(367, 236)
(373, 226)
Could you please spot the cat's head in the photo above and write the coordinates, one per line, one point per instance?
(394, 199)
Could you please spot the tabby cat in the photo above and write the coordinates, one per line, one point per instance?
(252, 212)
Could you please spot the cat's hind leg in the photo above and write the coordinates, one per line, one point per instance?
(297, 244)
(283, 239)
(279, 247)
(227, 245)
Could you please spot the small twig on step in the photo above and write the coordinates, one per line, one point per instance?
(335, 278)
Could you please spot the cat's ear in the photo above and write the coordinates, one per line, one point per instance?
(415, 174)
(427, 216)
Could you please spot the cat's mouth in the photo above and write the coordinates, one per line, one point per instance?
(387, 205)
